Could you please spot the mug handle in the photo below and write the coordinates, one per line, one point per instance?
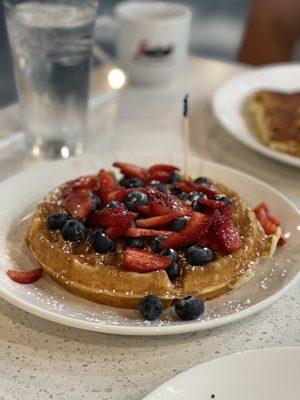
(108, 22)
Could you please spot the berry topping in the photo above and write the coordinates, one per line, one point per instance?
(189, 308)
(159, 186)
(102, 243)
(78, 204)
(116, 216)
(136, 199)
(163, 203)
(189, 234)
(224, 199)
(203, 179)
(173, 271)
(135, 242)
(196, 255)
(57, 221)
(151, 307)
(83, 183)
(73, 231)
(171, 253)
(131, 182)
(155, 243)
(144, 260)
(225, 233)
(131, 170)
(25, 276)
(178, 224)
(114, 204)
(157, 221)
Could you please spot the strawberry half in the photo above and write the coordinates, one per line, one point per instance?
(139, 232)
(25, 276)
(83, 183)
(161, 176)
(212, 203)
(225, 233)
(131, 170)
(78, 204)
(157, 221)
(117, 216)
(162, 167)
(164, 203)
(144, 261)
(106, 185)
(189, 235)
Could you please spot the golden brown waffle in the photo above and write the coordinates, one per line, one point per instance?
(100, 277)
(275, 119)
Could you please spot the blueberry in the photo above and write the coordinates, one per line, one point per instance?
(175, 177)
(114, 204)
(154, 243)
(96, 202)
(221, 197)
(176, 191)
(189, 308)
(102, 243)
(173, 271)
(151, 307)
(195, 196)
(178, 224)
(57, 221)
(197, 206)
(203, 179)
(171, 253)
(136, 199)
(159, 186)
(196, 255)
(131, 182)
(182, 196)
(73, 231)
(135, 242)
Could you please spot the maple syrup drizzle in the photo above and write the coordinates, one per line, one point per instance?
(186, 136)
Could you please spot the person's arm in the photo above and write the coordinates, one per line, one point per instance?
(272, 29)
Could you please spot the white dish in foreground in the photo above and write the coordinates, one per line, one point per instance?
(229, 100)
(268, 374)
(19, 196)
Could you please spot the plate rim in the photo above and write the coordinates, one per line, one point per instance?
(272, 349)
(256, 146)
(150, 330)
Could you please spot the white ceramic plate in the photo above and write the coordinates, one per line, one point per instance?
(269, 374)
(19, 196)
(229, 100)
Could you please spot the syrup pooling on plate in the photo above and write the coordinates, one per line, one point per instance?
(103, 254)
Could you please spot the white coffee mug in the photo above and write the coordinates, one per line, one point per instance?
(152, 39)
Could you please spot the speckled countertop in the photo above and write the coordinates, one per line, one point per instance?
(43, 360)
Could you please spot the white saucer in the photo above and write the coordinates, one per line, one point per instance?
(229, 100)
(21, 193)
(268, 374)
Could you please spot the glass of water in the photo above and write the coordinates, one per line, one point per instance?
(51, 43)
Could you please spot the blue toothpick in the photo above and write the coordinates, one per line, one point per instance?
(186, 134)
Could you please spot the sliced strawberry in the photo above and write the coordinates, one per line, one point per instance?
(262, 206)
(209, 190)
(161, 176)
(139, 232)
(25, 276)
(187, 186)
(274, 220)
(144, 210)
(78, 204)
(114, 232)
(282, 240)
(157, 221)
(225, 233)
(131, 170)
(106, 185)
(144, 260)
(162, 167)
(83, 183)
(261, 215)
(212, 203)
(118, 195)
(269, 227)
(190, 234)
(164, 203)
(117, 216)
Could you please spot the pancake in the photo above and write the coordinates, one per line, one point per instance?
(275, 119)
(101, 278)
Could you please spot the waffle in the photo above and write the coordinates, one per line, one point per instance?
(100, 277)
(275, 119)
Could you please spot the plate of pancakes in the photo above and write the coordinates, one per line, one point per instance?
(260, 108)
(87, 290)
